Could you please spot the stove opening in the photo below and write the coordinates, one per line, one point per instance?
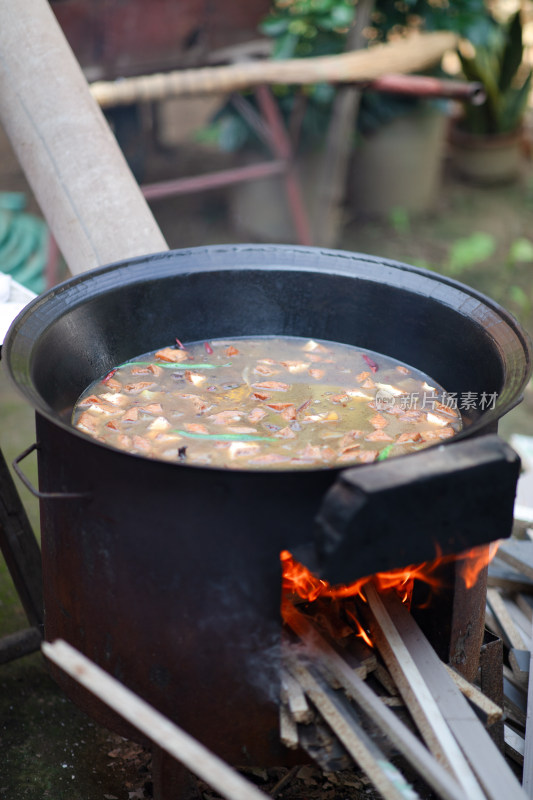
(424, 588)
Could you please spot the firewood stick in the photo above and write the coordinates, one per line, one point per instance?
(292, 694)
(392, 702)
(525, 603)
(288, 730)
(491, 711)
(503, 617)
(72, 161)
(527, 773)
(399, 735)
(512, 679)
(160, 730)
(505, 577)
(414, 690)
(385, 679)
(385, 777)
(521, 621)
(519, 661)
(488, 764)
(518, 554)
(304, 627)
(514, 744)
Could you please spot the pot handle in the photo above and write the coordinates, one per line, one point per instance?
(44, 495)
(443, 500)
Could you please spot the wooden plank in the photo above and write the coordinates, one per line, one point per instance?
(385, 777)
(505, 577)
(350, 647)
(523, 515)
(490, 712)
(514, 701)
(503, 617)
(288, 730)
(357, 649)
(392, 702)
(400, 736)
(490, 767)
(521, 621)
(514, 744)
(525, 604)
(321, 744)
(383, 676)
(305, 628)
(293, 695)
(519, 661)
(519, 554)
(418, 698)
(527, 773)
(160, 730)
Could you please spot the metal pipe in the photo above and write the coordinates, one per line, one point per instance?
(426, 86)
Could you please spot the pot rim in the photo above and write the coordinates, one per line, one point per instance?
(42, 311)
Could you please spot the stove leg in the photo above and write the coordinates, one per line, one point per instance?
(171, 780)
(468, 625)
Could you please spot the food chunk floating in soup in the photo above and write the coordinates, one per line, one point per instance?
(266, 403)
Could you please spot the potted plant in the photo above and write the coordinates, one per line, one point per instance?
(486, 139)
(308, 28)
(400, 142)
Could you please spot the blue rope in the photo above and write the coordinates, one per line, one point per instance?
(23, 243)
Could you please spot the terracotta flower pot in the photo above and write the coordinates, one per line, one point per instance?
(486, 159)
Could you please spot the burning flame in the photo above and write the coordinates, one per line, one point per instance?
(297, 579)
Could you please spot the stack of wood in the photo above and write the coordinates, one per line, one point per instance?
(509, 616)
(410, 722)
(387, 708)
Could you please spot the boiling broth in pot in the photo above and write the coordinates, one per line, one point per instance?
(266, 403)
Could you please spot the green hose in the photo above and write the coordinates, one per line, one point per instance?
(23, 243)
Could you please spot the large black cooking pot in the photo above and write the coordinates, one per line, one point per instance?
(168, 575)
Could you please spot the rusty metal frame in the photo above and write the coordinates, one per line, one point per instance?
(269, 126)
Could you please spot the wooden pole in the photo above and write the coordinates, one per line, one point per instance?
(73, 163)
(415, 53)
(527, 773)
(155, 726)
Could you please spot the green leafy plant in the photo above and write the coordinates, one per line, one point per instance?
(469, 251)
(498, 66)
(301, 28)
(308, 28)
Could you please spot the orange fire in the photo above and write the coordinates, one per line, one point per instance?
(297, 579)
